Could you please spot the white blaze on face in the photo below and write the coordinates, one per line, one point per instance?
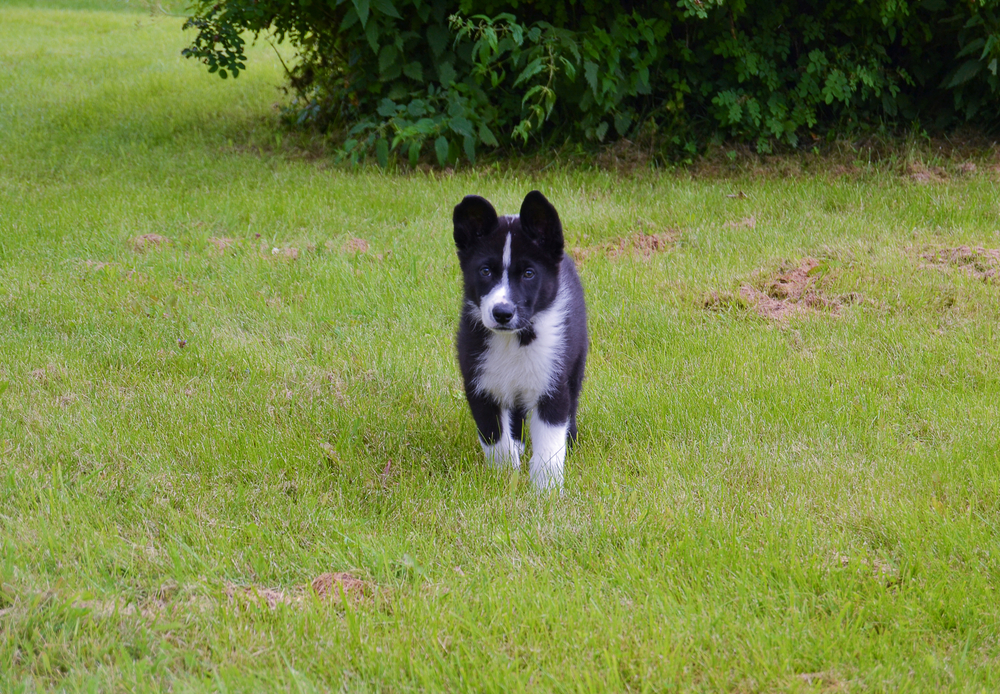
(499, 293)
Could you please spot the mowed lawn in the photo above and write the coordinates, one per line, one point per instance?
(235, 453)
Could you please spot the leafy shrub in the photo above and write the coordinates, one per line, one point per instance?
(406, 76)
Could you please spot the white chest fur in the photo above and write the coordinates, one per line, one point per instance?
(518, 375)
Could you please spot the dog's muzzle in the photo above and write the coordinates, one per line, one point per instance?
(503, 314)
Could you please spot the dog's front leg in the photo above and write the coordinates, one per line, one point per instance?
(549, 429)
(501, 445)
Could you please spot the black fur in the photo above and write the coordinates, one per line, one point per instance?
(536, 246)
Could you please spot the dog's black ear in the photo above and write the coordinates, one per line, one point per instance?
(540, 223)
(474, 217)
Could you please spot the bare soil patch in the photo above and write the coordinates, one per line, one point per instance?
(222, 243)
(289, 252)
(640, 244)
(141, 244)
(356, 245)
(921, 173)
(327, 586)
(794, 290)
(979, 263)
(745, 223)
(49, 374)
(98, 265)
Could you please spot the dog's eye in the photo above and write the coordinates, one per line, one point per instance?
(529, 273)
(484, 271)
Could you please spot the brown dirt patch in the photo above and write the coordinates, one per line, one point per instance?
(926, 174)
(66, 400)
(51, 373)
(627, 156)
(291, 253)
(793, 291)
(979, 263)
(745, 223)
(356, 245)
(141, 244)
(98, 265)
(641, 244)
(222, 243)
(328, 586)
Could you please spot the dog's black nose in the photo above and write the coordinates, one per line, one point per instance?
(503, 312)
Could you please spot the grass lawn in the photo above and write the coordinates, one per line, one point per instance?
(235, 453)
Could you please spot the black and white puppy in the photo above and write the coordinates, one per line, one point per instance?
(522, 338)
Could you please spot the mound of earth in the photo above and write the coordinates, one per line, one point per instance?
(791, 292)
(979, 263)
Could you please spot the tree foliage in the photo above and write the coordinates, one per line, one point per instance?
(405, 77)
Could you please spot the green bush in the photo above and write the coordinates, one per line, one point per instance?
(405, 76)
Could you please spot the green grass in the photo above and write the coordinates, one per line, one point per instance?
(809, 504)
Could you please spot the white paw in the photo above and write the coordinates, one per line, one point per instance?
(546, 476)
(505, 453)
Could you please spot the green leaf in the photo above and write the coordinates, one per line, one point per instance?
(446, 74)
(441, 150)
(386, 7)
(622, 122)
(968, 70)
(362, 7)
(416, 108)
(371, 33)
(461, 125)
(387, 108)
(486, 136)
(350, 19)
(602, 130)
(387, 58)
(529, 71)
(414, 71)
(382, 152)
(642, 85)
(437, 37)
(414, 152)
(570, 69)
(590, 72)
(426, 126)
(971, 47)
(469, 143)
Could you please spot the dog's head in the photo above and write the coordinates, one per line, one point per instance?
(511, 264)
